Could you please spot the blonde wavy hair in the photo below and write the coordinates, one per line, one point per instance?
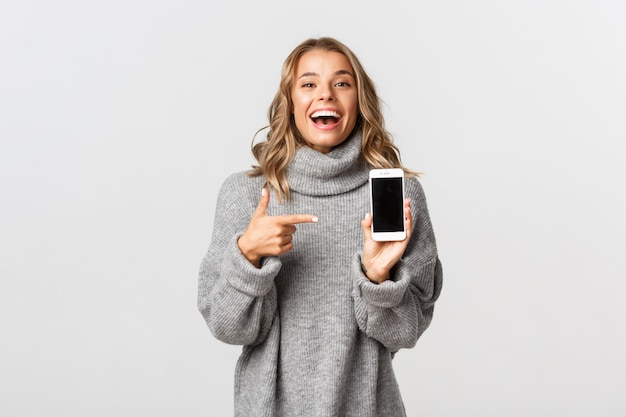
(283, 138)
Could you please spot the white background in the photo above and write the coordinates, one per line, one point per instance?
(120, 119)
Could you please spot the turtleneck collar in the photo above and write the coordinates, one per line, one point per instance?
(343, 169)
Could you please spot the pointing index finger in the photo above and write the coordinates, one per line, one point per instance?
(298, 218)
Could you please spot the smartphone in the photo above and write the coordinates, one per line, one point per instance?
(387, 204)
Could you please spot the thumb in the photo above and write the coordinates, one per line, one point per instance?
(366, 225)
(261, 208)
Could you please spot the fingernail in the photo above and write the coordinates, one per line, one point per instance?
(314, 219)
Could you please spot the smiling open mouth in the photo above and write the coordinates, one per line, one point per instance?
(325, 117)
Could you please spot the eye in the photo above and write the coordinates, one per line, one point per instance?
(343, 84)
(308, 85)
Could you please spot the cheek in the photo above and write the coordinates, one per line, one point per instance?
(299, 117)
(354, 111)
(355, 104)
(297, 105)
(299, 110)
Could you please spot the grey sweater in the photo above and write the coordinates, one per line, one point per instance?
(318, 337)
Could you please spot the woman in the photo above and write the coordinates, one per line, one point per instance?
(292, 272)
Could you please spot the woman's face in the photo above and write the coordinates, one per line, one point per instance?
(324, 98)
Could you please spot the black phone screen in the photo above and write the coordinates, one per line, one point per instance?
(387, 205)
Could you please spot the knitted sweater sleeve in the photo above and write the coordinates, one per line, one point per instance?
(397, 311)
(236, 299)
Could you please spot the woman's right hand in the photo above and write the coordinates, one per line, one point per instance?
(269, 235)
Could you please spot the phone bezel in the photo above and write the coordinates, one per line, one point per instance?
(386, 173)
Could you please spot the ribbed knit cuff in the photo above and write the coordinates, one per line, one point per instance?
(388, 293)
(244, 276)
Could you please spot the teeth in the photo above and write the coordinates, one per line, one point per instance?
(326, 113)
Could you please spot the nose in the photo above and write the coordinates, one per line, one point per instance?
(325, 93)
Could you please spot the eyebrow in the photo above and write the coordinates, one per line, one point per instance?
(314, 74)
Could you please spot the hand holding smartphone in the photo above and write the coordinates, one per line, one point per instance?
(387, 204)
